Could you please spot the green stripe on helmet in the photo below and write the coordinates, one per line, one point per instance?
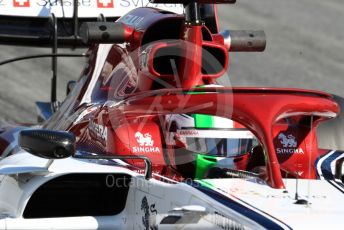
(203, 162)
(203, 121)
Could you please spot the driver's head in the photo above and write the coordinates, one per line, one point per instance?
(203, 141)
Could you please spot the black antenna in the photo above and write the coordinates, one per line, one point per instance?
(54, 50)
(75, 19)
(54, 60)
(192, 13)
(297, 187)
(298, 201)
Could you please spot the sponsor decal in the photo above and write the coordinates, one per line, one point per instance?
(99, 130)
(287, 141)
(293, 197)
(223, 222)
(146, 3)
(290, 151)
(87, 8)
(147, 220)
(146, 143)
(64, 3)
(188, 132)
(132, 20)
(146, 149)
(144, 139)
(105, 3)
(214, 133)
(289, 144)
(21, 3)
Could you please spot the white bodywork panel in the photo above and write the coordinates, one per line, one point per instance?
(16, 190)
(324, 211)
(154, 203)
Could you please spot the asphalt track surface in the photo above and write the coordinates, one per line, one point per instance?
(304, 49)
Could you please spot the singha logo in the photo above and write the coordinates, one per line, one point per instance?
(144, 139)
(289, 145)
(287, 141)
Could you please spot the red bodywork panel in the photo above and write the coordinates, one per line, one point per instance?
(270, 114)
(141, 139)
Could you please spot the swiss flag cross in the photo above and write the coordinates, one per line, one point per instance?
(105, 3)
(21, 3)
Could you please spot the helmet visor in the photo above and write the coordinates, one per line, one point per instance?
(220, 143)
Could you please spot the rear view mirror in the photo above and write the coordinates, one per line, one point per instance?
(163, 59)
(49, 144)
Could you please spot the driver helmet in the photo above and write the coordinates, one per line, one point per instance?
(201, 142)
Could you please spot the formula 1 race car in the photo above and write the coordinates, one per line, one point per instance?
(147, 138)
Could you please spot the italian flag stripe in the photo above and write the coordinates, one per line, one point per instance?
(203, 121)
